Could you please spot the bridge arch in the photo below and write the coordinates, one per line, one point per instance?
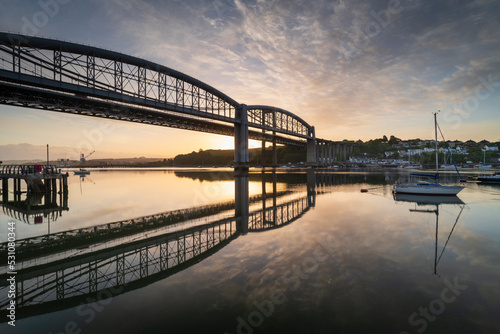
(61, 76)
(95, 72)
(278, 120)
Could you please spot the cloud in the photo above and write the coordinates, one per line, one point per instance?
(293, 55)
(340, 65)
(27, 151)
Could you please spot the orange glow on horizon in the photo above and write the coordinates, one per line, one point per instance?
(227, 143)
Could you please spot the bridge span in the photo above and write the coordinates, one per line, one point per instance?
(60, 76)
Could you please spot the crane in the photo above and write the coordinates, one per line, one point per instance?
(83, 157)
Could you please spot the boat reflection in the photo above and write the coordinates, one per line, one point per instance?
(427, 200)
(433, 201)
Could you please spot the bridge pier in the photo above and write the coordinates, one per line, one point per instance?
(336, 152)
(311, 188)
(330, 150)
(311, 148)
(241, 201)
(241, 157)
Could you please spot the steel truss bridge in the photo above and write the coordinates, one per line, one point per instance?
(62, 281)
(71, 78)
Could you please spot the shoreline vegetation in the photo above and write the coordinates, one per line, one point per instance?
(382, 151)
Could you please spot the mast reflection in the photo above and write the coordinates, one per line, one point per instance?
(434, 201)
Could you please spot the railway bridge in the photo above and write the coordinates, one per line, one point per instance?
(66, 77)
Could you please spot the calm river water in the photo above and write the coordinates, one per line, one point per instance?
(308, 253)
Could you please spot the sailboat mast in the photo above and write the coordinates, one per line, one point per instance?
(436, 246)
(436, 136)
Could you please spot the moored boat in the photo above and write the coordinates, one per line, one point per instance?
(82, 171)
(428, 188)
(489, 178)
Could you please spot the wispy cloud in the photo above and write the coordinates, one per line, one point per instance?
(341, 65)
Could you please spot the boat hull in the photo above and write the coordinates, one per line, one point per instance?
(81, 172)
(429, 190)
(423, 199)
(489, 179)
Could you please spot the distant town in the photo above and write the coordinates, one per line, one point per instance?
(394, 151)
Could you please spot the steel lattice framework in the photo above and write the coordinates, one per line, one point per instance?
(114, 270)
(67, 77)
(278, 120)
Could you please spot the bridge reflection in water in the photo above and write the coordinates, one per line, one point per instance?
(62, 270)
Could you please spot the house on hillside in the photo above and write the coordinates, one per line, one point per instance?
(454, 143)
(483, 143)
(490, 148)
(470, 143)
(415, 151)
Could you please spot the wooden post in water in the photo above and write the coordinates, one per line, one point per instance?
(5, 190)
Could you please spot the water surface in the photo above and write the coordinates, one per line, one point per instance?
(319, 257)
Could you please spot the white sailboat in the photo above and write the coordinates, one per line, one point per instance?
(428, 188)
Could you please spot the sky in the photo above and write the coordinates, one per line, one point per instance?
(354, 69)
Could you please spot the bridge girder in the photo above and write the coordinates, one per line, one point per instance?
(34, 98)
(131, 265)
(113, 77)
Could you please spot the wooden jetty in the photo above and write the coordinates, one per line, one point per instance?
(38, 179)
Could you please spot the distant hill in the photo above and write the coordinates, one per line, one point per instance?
(285, 154)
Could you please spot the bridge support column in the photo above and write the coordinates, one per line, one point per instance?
(275, 155)
(332, 150)
(325, 153)
(311, 188)
(241, 159)
(330, 154)
(311, 148)
(319, 157)
(241, 201)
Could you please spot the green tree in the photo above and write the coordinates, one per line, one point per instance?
(394, 140)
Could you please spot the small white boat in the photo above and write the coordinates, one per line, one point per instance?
(82, 172)
(413, 167)
(427, 188)
(450, 167)
(483, 167)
